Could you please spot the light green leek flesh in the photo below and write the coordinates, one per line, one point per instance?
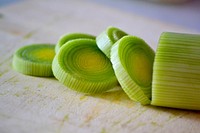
(176, 71)
(71, 36)
(35, 59)
(107, 38)
(132, 61)
(81, 66)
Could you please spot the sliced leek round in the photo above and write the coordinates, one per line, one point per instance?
(176, 71)
(35, 59)
(132, 60)
(68, 37)
(81, 66)
(107, 38)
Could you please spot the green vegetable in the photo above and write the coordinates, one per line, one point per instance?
(132, 61)
(35, 59)
(107, 38)
(68, 37)
(176, 72)
(87, 64)
(81, 66)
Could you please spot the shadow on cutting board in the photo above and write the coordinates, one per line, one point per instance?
(118, 96)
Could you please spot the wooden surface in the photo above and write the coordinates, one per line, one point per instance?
(43, 105)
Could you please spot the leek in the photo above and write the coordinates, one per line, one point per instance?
(35, 59)
(176, 72)
(132, 61)
(107, 38)
(81, 66)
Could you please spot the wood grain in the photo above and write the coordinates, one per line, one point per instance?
(32, 104)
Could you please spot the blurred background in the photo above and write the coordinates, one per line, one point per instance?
(185, 13)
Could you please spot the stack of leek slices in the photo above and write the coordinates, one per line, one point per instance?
(89, 64)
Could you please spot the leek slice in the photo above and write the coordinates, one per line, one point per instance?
(35, 59)
(81, 66)
(132, 61)
(176, 72)
(68, 37)
(107, 38)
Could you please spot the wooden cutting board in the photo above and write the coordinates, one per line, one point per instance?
(43, 105)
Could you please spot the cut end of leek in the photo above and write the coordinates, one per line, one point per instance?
(81, 66)
(176, 72)
(107, 38)
(35, 59)
(132, 61)
(68, 37)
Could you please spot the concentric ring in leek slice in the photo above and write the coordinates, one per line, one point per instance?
(71, 36)
(81, 66)
(35, 59)
(132, 61)
(176, 71)
(107, 38)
